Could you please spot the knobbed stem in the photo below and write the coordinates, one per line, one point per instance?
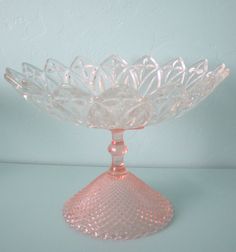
(118, 149)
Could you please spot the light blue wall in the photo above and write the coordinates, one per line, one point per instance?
(32, 31)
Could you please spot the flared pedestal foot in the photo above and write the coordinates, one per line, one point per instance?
(118, 207)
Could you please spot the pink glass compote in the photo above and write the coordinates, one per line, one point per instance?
(118, 97)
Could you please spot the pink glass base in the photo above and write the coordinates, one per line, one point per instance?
(117, 208)
(118, 205)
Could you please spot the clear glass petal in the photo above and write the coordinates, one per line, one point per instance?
(85, 71)
(144, 66)
(173, 72)
(107, 73)
(57, 72)
(26, 87)
(196, 73)
(149, 78)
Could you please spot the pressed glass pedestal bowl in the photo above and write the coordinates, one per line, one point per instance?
(117, 96)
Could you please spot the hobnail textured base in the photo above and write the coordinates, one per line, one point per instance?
(118, 207)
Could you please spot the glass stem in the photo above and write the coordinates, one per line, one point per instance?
(118, 149)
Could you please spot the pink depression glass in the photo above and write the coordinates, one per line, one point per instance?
(117, 96)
